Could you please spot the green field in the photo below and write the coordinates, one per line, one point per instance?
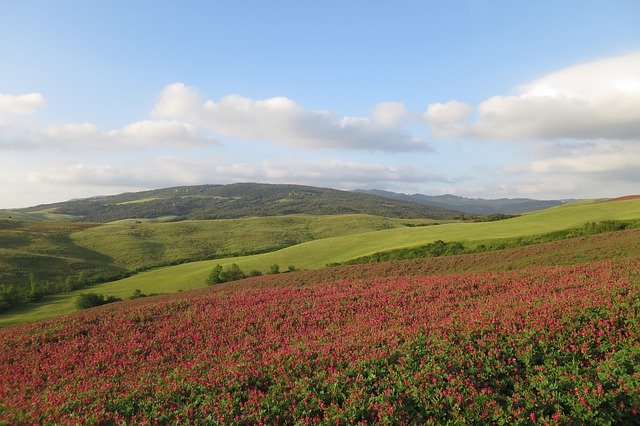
(36, 215)
(135, 244)
(314, 254)
(45, 251)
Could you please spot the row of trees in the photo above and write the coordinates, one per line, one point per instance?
(16, 294)
(233, 272)
(89, 300)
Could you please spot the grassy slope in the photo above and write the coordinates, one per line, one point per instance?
(191, 276)
(39, 215)
(318, 253)
(143, 245)
(46, 250)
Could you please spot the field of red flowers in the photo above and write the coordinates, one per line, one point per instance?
(551, 344)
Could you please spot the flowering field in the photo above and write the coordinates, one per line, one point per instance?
(547, 344)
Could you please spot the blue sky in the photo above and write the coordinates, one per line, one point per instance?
(476, 98)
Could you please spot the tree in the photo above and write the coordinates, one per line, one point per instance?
(215, 275)
(36, 290)
(89, 300)
(233, 273)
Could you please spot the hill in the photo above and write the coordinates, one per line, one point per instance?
(137, 245)
(235, 201)
(62, 256)
(43, 254)
(478, 206)
(318, 253)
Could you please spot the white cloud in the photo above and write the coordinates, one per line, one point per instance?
(138, 135)
(283, 121)
(21, 104)
(166, 132)
(599, 168)
(448, 119)
(598, 99)
(85, 132)
(606, 159)
(389, 113)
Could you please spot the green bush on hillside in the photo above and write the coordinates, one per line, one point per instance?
(274, 269)
(89, 300)
(218, 275)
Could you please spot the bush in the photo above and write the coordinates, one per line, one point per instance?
(137, 294)
(89, 300)
(274, 269)
(218, 275)
(215, 275)
(233, 273)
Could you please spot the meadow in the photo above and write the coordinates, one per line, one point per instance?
(135, 244)
(540, 345)
(50, 257)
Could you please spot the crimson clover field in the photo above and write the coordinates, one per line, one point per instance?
(548, 344)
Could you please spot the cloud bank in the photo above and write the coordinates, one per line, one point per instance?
(283, 121)
(169, 171)
(595, 100)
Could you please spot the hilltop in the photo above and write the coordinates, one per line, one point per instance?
(234, 201)
(479, 206)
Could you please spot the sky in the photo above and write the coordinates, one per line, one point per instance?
(475, 98)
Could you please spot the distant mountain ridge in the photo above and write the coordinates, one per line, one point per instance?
(239, 200)
(478, 206)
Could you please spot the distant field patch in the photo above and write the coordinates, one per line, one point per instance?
(142, 200)
(625, 198)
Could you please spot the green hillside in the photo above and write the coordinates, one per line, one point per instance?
(135, 244)
(234, 201)
(58, 256)
(315, 254)
(45, 251)
(318, 253)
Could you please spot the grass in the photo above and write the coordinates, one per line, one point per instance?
(40, 215)
(320, 252)
(137, 245)
(45, 250)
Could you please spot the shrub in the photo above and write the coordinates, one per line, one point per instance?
(89, 300)
(218, 275)
(233, 273)
(274, 269)
(215, 275)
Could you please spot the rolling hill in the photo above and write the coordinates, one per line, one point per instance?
(318, 253)
(59, 256)
(137, 245)
(44, 251)
(479, 206)
(234, 201)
